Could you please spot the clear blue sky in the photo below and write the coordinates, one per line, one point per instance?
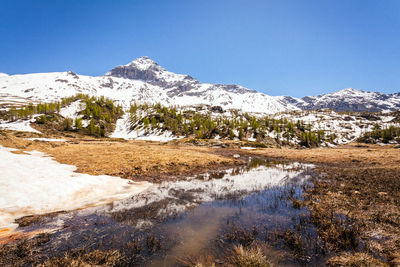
(278, 47)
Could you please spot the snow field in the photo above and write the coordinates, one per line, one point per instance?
(34, 183)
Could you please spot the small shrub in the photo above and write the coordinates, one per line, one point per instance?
(41, 119)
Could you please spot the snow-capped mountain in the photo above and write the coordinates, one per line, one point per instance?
(348, 99)
(143, 80)
(140, 81)
(185, 90)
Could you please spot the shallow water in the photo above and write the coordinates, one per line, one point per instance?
(204, 216)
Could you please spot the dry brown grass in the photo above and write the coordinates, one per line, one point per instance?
(359, 183)
(356, 259)
(348, 155)
(355, 202)
(138, 160)
(87, 259)
(248, 257)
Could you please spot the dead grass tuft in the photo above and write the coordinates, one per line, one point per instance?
(248, 257)
(80, 258)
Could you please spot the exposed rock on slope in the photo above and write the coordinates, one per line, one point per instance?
(143, 80)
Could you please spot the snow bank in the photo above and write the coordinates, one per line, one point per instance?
(122, 130)
(19, 125)
(71, 111)
(159, 136)
(37, 184)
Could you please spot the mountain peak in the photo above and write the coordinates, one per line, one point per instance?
(348, 91)
(142, 63)
(146, 69)
(142, 68)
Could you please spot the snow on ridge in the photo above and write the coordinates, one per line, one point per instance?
(36, 184)
(122, 130)
(48, 87)
(19, 125)
(142, 63)
(348, 99)
(72, 109)
(152, 83)
(346, 127)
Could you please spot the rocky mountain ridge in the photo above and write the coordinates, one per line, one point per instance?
(143, 80)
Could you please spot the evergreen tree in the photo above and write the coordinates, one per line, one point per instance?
(78, 124)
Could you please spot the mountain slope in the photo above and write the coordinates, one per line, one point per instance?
(140, 81)
(185, 90)
(143, 80)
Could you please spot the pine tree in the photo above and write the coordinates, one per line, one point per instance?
(78, 124)
(67, 124)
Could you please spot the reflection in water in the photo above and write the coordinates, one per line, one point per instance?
(201, 215)
(181, 195)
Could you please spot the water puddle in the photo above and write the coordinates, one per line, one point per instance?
(184, 222)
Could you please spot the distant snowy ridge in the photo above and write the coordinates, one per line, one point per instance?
(348, 99)
(143, 80)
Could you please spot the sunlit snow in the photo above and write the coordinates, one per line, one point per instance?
(35, 184)
(19, 125)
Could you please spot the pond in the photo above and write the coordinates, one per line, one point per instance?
(199, 219)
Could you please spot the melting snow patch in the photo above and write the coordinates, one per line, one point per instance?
(19, 125)
(251, 139)
(71, 111)
(122, 130)
(247, 147)
(37, 184)
(164, 136)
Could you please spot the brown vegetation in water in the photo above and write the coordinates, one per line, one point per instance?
(355, 202)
